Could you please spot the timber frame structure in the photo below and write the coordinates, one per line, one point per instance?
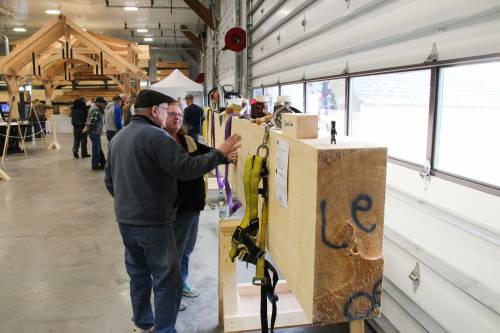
(60, 51)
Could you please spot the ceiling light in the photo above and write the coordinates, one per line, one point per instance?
(130, 9)
(19, 29)
(142, 30)
(53, 11)
(84, 29)
(148, 39)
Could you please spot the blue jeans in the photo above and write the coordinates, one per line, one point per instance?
(98, 158)
(151, 261)
(186, 231)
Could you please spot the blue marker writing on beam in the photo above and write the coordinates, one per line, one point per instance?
(363, 203)
(322, 206)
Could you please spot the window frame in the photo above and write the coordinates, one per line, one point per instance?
(435, 68)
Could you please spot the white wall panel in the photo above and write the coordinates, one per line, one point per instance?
(263, 10)
(452, 309)
(463, 251)
(403, 16)
(282, 13)
(472, 256)
(478, 207)
(227, 59)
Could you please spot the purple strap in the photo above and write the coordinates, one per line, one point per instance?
(236, 204)
(220, 182)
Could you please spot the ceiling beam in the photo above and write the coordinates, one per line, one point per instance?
(191, 36)
(202, 12)
(192, 53)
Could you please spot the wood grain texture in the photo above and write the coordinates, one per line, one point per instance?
(328, 242)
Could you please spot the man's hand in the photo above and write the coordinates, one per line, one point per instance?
(85, 130)
(230, 145)
(233, 157)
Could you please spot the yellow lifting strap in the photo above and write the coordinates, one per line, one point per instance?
(249, 239)
(244, 238)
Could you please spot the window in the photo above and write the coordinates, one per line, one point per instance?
(257, 92)
(296, 92)
(327, 100)
(467, 135)
(272, 93)
(392, 110)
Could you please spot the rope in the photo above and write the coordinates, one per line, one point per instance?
(21, 137)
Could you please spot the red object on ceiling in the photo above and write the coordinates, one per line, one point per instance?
(235, 39)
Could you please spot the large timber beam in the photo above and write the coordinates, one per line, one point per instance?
(191, 36)
(202, 12)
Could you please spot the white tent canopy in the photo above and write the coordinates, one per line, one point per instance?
(177, 85)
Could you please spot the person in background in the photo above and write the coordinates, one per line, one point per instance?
(193, 118)
(113, 117)
(191, 198)
(94, 127)
(127, 110)
(144, 163)
(78, 120)
(39, 109)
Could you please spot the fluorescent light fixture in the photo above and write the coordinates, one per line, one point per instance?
(19, 29)
(130, 9)
(142, 30)
(53, 11)
(148, 39)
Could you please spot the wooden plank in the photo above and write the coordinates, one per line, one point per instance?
(171, 65)
(328, 242)
(357, 326)
(192, 37)
(239, 304)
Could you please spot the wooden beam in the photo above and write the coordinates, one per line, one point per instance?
(191, 53)
(92, 42)
(202, 12)
(327, 238)
(38, 41)
(191, 36)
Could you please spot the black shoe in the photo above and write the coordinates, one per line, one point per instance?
(86, 155)
(75, 154)
(98, 168)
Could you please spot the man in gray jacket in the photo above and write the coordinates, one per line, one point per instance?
(144, 163)
(94, 126)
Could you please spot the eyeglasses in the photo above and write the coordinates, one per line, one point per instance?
(174, 114)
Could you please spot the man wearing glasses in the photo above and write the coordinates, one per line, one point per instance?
(144, 163)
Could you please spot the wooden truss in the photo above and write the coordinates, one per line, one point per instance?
(62, 51)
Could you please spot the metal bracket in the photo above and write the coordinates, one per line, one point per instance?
(346, 68)
(434, 55)
(348, 3)
(304, 22)
(415, 277)
(425, 174)
(278, 38)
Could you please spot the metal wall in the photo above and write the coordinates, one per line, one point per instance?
(297, 39)
(451, 231)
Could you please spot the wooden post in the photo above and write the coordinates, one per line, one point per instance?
(49, 89)
(54, 144)
(357, 326)
(3, 175)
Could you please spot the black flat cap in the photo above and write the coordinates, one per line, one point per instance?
(148, 98)
(100, 100)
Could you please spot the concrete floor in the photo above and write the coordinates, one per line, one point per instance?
(61, 255)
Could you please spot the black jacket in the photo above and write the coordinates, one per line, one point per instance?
(78, 116)
(191, 193)
(144, 163)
